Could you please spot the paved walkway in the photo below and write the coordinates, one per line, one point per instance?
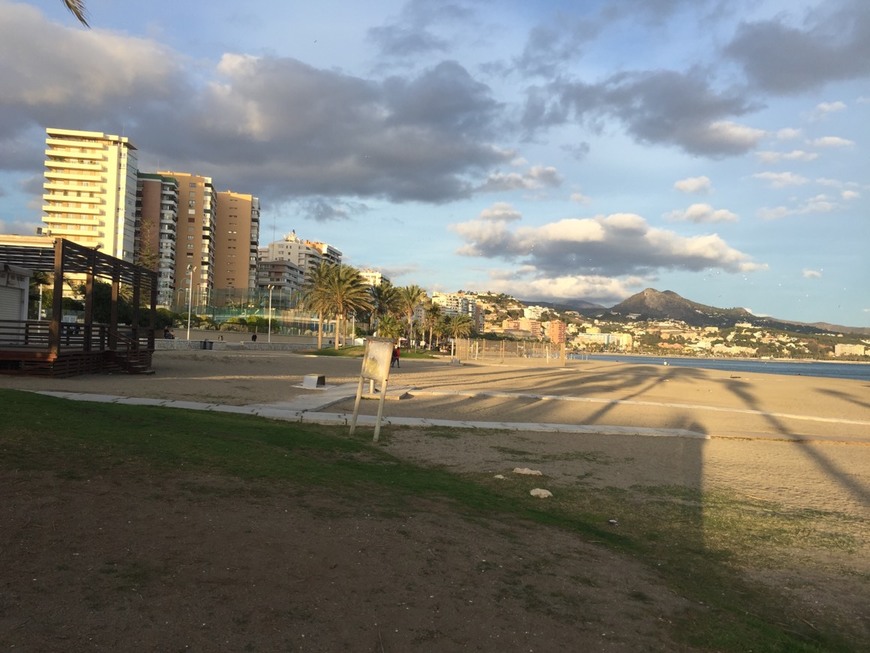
(312, 408)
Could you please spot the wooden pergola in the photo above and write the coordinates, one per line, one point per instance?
(58, 348)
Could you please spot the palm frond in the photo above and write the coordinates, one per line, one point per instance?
(77, 8)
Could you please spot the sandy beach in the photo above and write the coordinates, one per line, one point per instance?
(797, 439)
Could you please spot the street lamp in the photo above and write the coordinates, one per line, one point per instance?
(271, 288)
(190, 269)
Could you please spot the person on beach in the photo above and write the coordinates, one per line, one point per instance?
(395, 359)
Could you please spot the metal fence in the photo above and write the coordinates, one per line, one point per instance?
(507, 350)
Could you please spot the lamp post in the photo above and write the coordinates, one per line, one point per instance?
(271, 288)
(190, 269)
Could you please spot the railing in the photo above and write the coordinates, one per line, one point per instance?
(34, 334)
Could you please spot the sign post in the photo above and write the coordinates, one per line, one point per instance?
(375, 367)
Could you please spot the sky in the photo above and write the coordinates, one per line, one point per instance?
(553, 150)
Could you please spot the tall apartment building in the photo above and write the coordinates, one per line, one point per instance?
(156, 224)
(236, 239)
(305, 254)
(373, 277)
(194, 239)
(460, 304)
(556, 331)
(90, 190)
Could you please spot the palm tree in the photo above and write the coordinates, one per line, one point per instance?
(385, 301)
(458, 326)
(410, 297)
(389, 327)
(77, 7)
(433, 317)
(315, 294)
(347, 292)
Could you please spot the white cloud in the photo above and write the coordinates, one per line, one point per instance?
(831, 141)
(698, 185)
(823, 109)
(619, 244)
(731, 135)
(536, 178)
(781, 179)
(700, 214)
(788, 134)
(604, 290)
(580, 198)
(849, 195)
(812, 274)
(501, 212)
(817, 204)
(795, 155)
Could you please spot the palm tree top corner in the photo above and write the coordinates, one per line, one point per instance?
(77, 8)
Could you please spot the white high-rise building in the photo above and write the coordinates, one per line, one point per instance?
(90, 190)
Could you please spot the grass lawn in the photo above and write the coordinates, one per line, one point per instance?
(75, 440)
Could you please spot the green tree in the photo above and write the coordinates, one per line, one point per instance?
(389, 327)
(385, 301)
(433, 320)
(347, 292)
(410, 297)
(458, 326)
(315, 296)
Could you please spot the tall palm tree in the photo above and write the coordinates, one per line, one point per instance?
(458, 326)
(315, 296)
(433, 317)
(77, 7)
(410, 297)
(347, 292)
(385, 301)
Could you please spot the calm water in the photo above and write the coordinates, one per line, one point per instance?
(860, 371)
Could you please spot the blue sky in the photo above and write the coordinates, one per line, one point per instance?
(550, 150)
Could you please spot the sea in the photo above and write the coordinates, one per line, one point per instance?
(824, 369)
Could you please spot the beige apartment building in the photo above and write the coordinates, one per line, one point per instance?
(305, 254)
(194, 239)
(236, 241)
(156, 224)
(90, 190)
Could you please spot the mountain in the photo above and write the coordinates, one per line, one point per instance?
(651, 304)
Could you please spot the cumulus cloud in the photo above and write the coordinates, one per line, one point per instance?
(812, 274)
(294, 130)
(832, 141)
(701, 214)
(699, 185)
(536, 178)
(660, 107)
(831, 45)
(501, 212)
(781, 179)
(614, 245)
(816, 204)
(824, 109)
(795, 155)
(603, 290)
(788, 134)
(580, 198)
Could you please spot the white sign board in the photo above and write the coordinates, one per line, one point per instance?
(375, 367)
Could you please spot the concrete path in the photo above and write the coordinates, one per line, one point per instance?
(311, 408)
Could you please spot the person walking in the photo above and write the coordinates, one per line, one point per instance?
(396, 355)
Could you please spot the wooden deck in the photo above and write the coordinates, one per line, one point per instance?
(24, 349)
